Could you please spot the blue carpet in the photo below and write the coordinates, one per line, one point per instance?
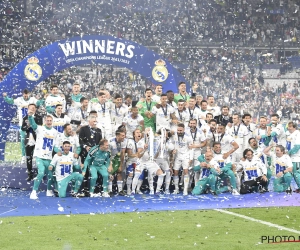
(14, 202)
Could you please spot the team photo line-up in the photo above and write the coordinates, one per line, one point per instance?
(199, 145)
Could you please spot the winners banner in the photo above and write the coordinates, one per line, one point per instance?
(91, 49)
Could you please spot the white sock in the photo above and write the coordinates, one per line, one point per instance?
(186, 180)
(110, 186)
(196, 176)
(238, 180)
(120, 185)
(159, 182)
(140, 183)
(167, 179)
(129, 182)
(135, 180)
(150, 181)
(190, 178)
(176, 182)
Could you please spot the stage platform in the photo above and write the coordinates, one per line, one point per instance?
(15, 191)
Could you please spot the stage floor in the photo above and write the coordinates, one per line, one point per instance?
(15, 202)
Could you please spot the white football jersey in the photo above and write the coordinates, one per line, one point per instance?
(74, 141)
(53, 100)
(22, 105)
(163, 116)
(132, 124)
(64, 165)
(45, 141)
(292, 140)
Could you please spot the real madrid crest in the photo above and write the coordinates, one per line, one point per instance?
(160, 72)
(33, 71)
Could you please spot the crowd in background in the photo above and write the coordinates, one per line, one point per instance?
(171, 26)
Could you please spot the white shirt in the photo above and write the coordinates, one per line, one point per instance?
(292, 140)
(205, 172)
(202, 114)
(118, 114)
(198, 137)
(163, 116)
(281, 163)
(63, 165)
(182, 117)
(77, 114)
(258, 153)
(45, 140)
(252, 169)
(239, 133)
(134, 146)
(156, 98)
(182, 147)
(132, 124)
(219, 159)
(116, 147)
(215, 110)
(53, 100)
(259, 131)
(226, 141)
(162, 154)
(280, 139)
(74, 141)
(251, 132)
(193, 113)
(22, 105)
(103, 113)
(59, 122)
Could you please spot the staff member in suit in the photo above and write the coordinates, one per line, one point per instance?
(89, 136)
(30, 138)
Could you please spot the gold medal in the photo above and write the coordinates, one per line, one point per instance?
(118, 154)
(103, 114)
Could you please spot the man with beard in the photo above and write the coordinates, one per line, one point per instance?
(117, 147)
(277, 130)
(212, 107)
(225, 167)
(183, 157)
(246, 120)
(293, 148)
(258, 152)
(79, 114)
(163, 149)
(261, 133)
(254, 173)
(135, 149)
(103, 109)
(199, 141)
(240, 133)
(224, 117)
(164, 114)
(118, 112)
(208, 179)
(181, 114)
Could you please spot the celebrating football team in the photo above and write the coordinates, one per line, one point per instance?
(166, 143)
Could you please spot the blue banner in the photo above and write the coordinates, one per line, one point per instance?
(92, 49)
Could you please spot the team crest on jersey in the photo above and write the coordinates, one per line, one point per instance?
(33, 71)
(160, 72)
